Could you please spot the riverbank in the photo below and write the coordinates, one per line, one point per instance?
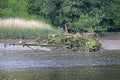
(18, 63)
(9, 45)
(109, 42)
(23, 59)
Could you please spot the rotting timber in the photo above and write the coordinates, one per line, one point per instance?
(65, 41)
(72, 42)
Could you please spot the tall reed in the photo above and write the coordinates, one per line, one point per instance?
(21, 28)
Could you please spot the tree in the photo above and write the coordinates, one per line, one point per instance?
(111, 9)
(70, 12)
(114, 10)
(13, 8)
(44, 8)
(86, 21)
(3, 6)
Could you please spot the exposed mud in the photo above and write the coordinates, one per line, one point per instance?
(9, 45)
(109, 42)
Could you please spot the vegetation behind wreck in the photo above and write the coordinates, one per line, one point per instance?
(78, 16)
(101, 15)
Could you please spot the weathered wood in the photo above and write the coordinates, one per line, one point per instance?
(66, 41)
(43, 45)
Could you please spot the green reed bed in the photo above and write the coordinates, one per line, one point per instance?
(26, 33)
(14, 28)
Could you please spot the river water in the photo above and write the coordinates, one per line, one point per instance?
(30, 65)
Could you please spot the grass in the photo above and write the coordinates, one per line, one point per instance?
(15, 28)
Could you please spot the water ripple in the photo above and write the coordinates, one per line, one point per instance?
(56, 60)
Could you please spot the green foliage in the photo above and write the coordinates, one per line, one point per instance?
(115, 12)
(42, 8)
(84, 42)
(70, 13)
(56, 38)
(85, 21)
(3, 4)
(76, 13)
(91, 42)
(7, 12)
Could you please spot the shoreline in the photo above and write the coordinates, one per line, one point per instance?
(109, 42)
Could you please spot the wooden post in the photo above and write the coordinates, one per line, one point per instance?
(66, 28)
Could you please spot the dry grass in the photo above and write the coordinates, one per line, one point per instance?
(21, 23)
(20, 28)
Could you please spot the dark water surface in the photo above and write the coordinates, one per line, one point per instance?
(28, 65)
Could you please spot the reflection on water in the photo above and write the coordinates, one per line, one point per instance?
(69, 73)
(26, 66)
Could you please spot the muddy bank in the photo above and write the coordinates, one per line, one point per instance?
(16, 60)
(8, 45)
(109, 42)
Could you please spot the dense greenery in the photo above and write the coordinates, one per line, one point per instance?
(26, 33)
(101, 15)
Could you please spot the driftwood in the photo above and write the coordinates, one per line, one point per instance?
(66, 41)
